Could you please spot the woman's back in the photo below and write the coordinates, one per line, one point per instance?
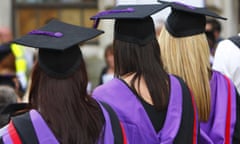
(142, 88)
(58, 93)
(185, 53)
(223, 123)
(179, 119)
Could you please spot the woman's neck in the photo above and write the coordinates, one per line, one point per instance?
(141, 89)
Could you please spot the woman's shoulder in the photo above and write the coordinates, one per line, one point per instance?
(175, 78)
(28, 127)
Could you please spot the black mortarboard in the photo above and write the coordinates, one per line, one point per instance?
(133, 22)
(5, 49)
(185, 20)
(59, 54)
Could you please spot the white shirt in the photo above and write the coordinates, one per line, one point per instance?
(227, 61)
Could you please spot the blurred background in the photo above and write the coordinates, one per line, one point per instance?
(22, 16)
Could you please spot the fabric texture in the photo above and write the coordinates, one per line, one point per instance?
(36, 126)
(220, 127)
(131, 113)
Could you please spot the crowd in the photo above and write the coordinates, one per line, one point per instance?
(179, 84)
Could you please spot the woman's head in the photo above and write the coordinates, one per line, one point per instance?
(56, 89)
(134, 45)
(134, 58)
(136, 51)
(59, 82)
(66, 100)
(185, 51)
(7, 60)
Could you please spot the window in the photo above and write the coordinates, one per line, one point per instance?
(54, 1)
(32, 14)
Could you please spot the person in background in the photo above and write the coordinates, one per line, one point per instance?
(8, 70)
(61, 110)
(19, 54)
(107, 73)
(5, 35)
(13, 82)
(7, 96)
(7, 60)
(213, 25)
(153, 106)
(212, 45)
(227, 59)
(185, 52)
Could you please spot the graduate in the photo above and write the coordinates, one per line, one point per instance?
(185, 52)
(7, 60)
(8, 70)
(61, 110)
(227, 59)
(154, 107)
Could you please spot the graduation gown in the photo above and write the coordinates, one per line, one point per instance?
(180, 125)
(223, 124)
(30, 128)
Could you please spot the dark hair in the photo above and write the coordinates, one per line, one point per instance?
(144, 61)
(216, 25)
(70, 112)
(211, 39)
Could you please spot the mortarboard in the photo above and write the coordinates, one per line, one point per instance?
(185, 20)
(133, 22)
(59, 54)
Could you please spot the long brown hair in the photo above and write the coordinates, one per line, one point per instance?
(70, 112)
(188, 57)
(143, 61)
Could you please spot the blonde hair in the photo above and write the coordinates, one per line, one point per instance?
(188, 57)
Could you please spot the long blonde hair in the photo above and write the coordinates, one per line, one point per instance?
(188, 57)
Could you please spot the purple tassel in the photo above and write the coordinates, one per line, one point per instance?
(107, 12)
(182, 4)
(51, 34)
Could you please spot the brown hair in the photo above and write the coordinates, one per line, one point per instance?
(143, 62)
(70, 112)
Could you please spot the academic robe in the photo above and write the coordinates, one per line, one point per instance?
(180, 125)
(223, 124)
(30, 128)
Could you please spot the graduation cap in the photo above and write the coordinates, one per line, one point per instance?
(5, 49)
(59, 54)
(133, 22)
(185, 20)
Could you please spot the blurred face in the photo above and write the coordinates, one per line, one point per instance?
(5, 35)
(208, 27)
